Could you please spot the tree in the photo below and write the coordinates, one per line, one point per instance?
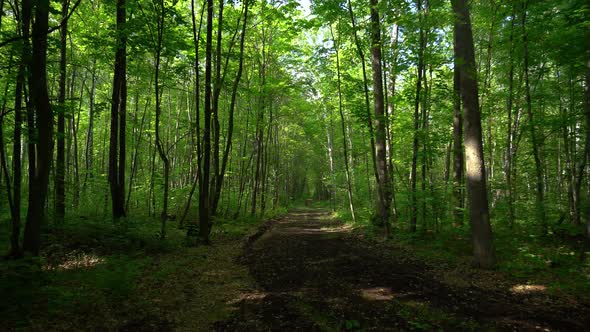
(40, 120)
(118, 118)
(382, 174)
(60, 162)
(479, 217)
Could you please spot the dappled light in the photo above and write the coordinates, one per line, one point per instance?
(528, 289)
(75, 261)
(377, 294)
(294, 165)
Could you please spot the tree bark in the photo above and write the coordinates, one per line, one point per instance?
(41, 154)
(118, 110)
(481, 230)
(458, 157)
(382, 177)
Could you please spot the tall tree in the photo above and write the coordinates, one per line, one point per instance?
(161, 150)
(479, 216)
(458, 157)
(60, 163)
(41, 118)
(118, 115)
(382, 174)
(204, 204)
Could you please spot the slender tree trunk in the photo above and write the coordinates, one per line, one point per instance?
(587, 145)
(196, 42)
(204, 204)
(481, 230)
(540, 197)
(366, 90)
(118, 110)
(89, 153)
(232, 106)
(343, 125)
(60, 194)
(510, 133)
(15, 227)
(160, 147)
(382, 177)
(24, 28)
(415, 144)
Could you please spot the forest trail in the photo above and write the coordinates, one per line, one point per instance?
(314, 274)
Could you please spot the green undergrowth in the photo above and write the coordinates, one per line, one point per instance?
(92, 271)
(560, 260)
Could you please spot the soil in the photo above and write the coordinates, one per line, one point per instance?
(313, 274)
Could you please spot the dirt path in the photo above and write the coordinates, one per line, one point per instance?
(314, 275)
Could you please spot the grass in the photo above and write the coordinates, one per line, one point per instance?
(559, 261)
(96, 274)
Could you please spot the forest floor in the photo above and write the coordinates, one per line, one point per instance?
(305, 271)
(314, 273)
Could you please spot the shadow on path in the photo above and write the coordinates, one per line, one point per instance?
(314, 275)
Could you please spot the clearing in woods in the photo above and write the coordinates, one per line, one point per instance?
(314, 274)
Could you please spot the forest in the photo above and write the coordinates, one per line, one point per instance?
(315, 165)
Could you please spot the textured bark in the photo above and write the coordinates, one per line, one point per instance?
(383, 185)
(481, 230)
(458, 157)
(41, 154)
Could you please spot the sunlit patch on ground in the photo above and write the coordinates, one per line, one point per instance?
(527, 289)
(249, 296)
(377, 294)
(343, 228)
(76, 261)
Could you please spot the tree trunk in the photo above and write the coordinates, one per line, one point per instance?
(206, 167)
(366, 90)
(232, 106)
(510, 133)
(382, 177)
(118, 110)
(458, 157)
(60, 171)
(540, 197)
(481, 230)
(159, 145)
(343, 125)
(415, 144)
(40, 163)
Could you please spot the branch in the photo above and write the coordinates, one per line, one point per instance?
(52, 29)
